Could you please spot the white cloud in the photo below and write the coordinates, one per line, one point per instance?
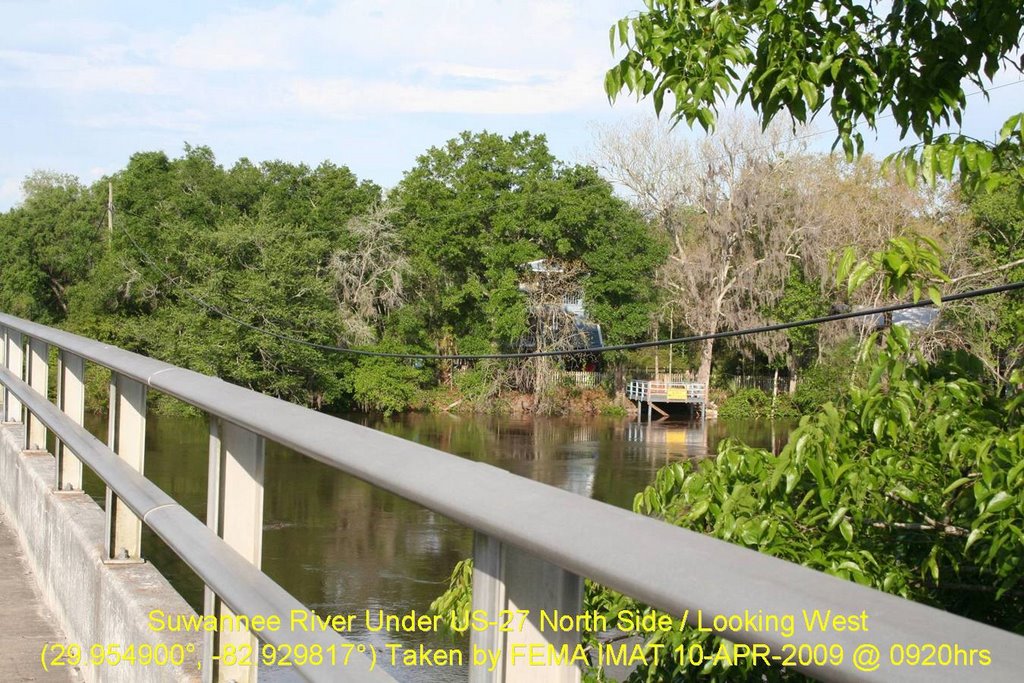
(265, 40)
(226, 74)
(475, 72)
(184, 120)
(497, 93)
(65, 72)
(353, 59)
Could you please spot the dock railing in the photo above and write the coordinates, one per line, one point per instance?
(666, 391)
(533, 542)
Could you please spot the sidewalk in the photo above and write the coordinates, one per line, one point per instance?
(26, 625)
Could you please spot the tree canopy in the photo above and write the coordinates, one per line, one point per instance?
(476, 210)
(204, 261)
(907, 59)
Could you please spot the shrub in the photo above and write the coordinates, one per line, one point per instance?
(783, 407)
(745, 404)
(754, 404)
(826, 380)
(387, 385)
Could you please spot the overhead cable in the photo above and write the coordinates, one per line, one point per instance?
(776, 327)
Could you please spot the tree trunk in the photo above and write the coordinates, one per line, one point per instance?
(619, 378)
(706, 354)
(775, 390)
(791, 364)
(657, 351)
(446, 368)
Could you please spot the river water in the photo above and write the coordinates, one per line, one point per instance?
(341, 546)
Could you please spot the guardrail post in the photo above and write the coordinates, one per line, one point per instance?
(14, 357)
(3, 360)
(234, 510)
(126, 436)
(71, 400)
(38, 372)
(513, 588)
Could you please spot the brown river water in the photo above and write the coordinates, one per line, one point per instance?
(342, 546)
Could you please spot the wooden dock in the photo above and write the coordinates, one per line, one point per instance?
(665, 391)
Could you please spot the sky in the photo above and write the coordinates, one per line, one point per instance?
(369, 85)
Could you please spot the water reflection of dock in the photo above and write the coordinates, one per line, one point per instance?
(670, 439)
(666, 392)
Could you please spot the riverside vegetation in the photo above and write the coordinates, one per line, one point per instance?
(911, 479)
(438, 266)
(912, 482)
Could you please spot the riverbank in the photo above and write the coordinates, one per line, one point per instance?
(561, 402)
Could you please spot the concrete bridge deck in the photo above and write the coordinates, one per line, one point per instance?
(26, 625)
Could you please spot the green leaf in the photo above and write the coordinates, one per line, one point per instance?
(1017, 120)
(836, 517)
(973, 537)
(906, 494)
(999, 502)
(956, 484)
(860, 273)
(846, 529)
(810, 93)
(928, 165)
(849, 255)
(947, 158)
(878, 426)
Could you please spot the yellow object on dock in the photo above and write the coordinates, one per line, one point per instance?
(678, 393)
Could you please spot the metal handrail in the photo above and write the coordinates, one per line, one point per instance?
(243, 587)
(672, 569)
(640, 389)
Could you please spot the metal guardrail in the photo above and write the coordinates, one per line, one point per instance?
(226, 572)
(530, 536)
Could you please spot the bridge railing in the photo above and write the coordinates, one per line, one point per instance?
(224, 552)
(533, 542)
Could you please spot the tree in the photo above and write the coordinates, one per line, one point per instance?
(722, 212)
(906, 59)
(477, 209)
(52, 241)
(369, 274)
(860, 492)
(192, 239)
(991, 329)
(753, 224)
(654, 166)
(800, 298)
(547, 285)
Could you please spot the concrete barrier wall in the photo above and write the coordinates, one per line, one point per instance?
(95, 603)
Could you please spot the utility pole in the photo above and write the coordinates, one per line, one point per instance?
(110, 212)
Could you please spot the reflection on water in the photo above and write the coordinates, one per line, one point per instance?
(342, 546)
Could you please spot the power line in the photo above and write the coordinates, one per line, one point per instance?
(879, 310)
(601, 349)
